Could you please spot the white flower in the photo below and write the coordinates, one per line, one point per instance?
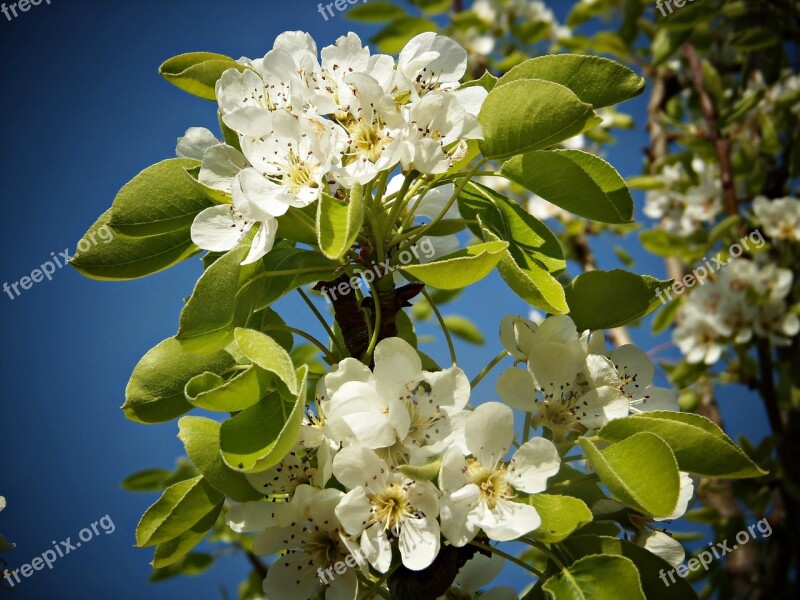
(430, 62)
(479, 492)
(195, 142)
(302, 466)
(220, 228)
(779, 218)
(291, 165)
(406, 414)
(381, 504)
(314, 542)
(663, 545)
(479, 572)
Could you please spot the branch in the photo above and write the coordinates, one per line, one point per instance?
(721, 143)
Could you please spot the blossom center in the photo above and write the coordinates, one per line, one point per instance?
(493, 483)
(392, 506)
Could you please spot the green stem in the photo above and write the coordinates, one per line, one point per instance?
(507, 556)
(479, 377)
(328, 355)
(328, 330)
(453, 198)
(443, 325)
(399, 203)
(526, 431)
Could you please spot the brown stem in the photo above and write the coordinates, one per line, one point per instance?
(256, 563)
(722, 143)
(347, 313)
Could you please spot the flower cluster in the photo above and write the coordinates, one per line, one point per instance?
(779, 219)
(413, 470)
(309, 124)
(745, 299)
(684, 204)
(570, 384)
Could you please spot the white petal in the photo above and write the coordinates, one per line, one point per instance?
(517, 389)
(251, 516)
(396, 362)
(349, 369)
(195, 142)
(507, 520)
(600, 406)
(663, 545)
(343, 587)
(533, 463)
(656, 399)
(292, 576)
(356, 466)
(630, 362)
(262, 242)
(489, 432)
(354, 511)
(419, 542)
(452, 473)
(376, 547)
(455, 511)
(217, 229)
(479, 572)
(220, 165)
(257, 197)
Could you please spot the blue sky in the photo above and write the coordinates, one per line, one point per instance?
(84, 110)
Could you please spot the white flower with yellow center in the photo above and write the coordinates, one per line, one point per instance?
(479, 491)
(382, 505)
(779, 218)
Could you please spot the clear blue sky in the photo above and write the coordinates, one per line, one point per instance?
(84, 110)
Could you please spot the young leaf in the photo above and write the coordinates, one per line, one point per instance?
(595, 80)
(699, 445)
(173, 550)
(544, 114)
(267, 354)
(561, 515)
(641, 471)
(147, 480)
(118, 258)
(605, 299)
(155, 392)
(197, 72)
(577, 181)
(649, 565)
(180, 507)
(211, 392)
(597, 577)
(462, 268)
(161, 199)
(200, 436)
(258, 438)
(534, 253)
(338, 224)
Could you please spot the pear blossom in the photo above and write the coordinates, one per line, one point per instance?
(779, 218)
(383, 504)
(479, 490)
(313, 542)
(404, 413)
(479, 572)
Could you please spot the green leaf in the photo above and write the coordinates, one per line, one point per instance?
(545, 113)
(296, 225)
(699, 445)
(648, 564)
(393, 38)
(606, 299)
(375, 12)
(228, 293)
(534, 253)
(561, 515)
(200, 437)
(161, 199)
(190, 565)
(211, 392)
(258, 438)
(462, 268)
(180, 507)
(641, 471)
(463, 328)
(269, 355)
(432, 7)
(577, 181)
(197, 72)
(596, 578)
(173, 550)
(115, 257)
(487, 81)
(146, 480)
(338, 223)
(594, 80)
(155, 392)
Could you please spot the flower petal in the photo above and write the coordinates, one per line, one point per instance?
(533, 463)
(507, 520)
(517, 389)
(489, 432)
(217, 228)
(419, 542)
